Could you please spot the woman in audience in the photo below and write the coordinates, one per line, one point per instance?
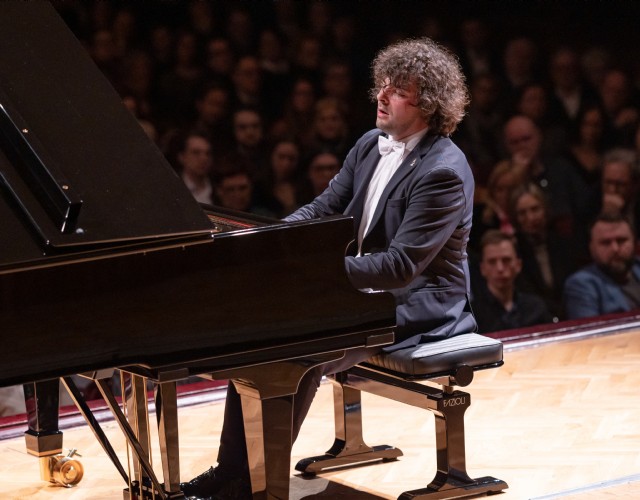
(492, 209)
(548, 258)
(279, 191)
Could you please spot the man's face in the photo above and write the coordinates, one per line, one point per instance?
(247, 77)
(247, 128)
(522, 137)
(235, 192)
(321, 170)
(398, 112)
(329, 123)
(616, 180)
(196, 158)
(530, 215)
(214, 106)
(500, 265)
(612, 247)
(284, 159)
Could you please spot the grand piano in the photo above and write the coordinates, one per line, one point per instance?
(107, 263)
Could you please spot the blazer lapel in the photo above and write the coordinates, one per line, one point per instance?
(408, 165)
(360, 184)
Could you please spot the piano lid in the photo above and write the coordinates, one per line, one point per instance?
(75, 166)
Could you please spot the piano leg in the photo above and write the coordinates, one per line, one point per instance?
(43, 438)
(134, 391)
(166, 396)
(267, 403)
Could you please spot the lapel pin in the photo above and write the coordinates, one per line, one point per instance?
(413, 162)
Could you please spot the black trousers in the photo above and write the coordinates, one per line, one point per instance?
(232, 454)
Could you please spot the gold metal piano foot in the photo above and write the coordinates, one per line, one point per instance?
(62, 470)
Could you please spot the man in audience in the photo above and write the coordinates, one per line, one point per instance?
(611, 283)
(195, 163)
(619, 186)
(234, 188)
(502, 306)
(552, 173)
(248, 133)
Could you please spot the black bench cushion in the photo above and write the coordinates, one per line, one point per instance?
(442, 356)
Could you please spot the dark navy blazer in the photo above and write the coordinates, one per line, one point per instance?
(415, 246)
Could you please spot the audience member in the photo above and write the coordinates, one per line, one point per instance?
(338, 83)
(137, 81)
(201, 19)
(278, 191)
(503, 306)
(219, 60)
(296, 119)
(234, 188)
(585, 151)
(161, 49)
(622, 113)
(519, 67)
(307, 58)
(552, 174)
(240, 29)
(475, 51)
(104, 53)
(611, 283)
(321, 168)
(195, 165)
(247, 82)
(124, 29)
(532, 101)
(619, 186)
(131, 103)
(213, 110)
(547, 257)
(491, 209)
(275, 66)
(330, 130)
(479, 134)
(595, 62)
(248, 132)
(177, 88)
(570, 93)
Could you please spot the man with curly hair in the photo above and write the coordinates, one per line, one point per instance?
(409, 190)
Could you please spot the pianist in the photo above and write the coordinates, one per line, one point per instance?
(409, 190)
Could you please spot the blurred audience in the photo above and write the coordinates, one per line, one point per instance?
(268, 89)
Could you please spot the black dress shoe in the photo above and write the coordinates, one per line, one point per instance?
(213, 484)
(206, 484)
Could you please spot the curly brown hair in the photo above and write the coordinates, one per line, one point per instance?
(441, 88)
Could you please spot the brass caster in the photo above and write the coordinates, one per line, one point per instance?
(62, 470)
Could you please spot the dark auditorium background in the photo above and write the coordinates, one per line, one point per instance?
(293, 95)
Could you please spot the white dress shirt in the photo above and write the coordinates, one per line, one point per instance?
(385, 169)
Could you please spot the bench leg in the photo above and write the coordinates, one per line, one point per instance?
(451, 479)
(349, 447)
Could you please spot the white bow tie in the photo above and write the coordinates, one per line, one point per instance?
(386, 146)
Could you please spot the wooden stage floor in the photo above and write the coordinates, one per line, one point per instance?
(558, 420)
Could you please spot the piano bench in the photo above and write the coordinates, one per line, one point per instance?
(424, 376)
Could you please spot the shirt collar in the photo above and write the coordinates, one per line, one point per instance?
(412, 141)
